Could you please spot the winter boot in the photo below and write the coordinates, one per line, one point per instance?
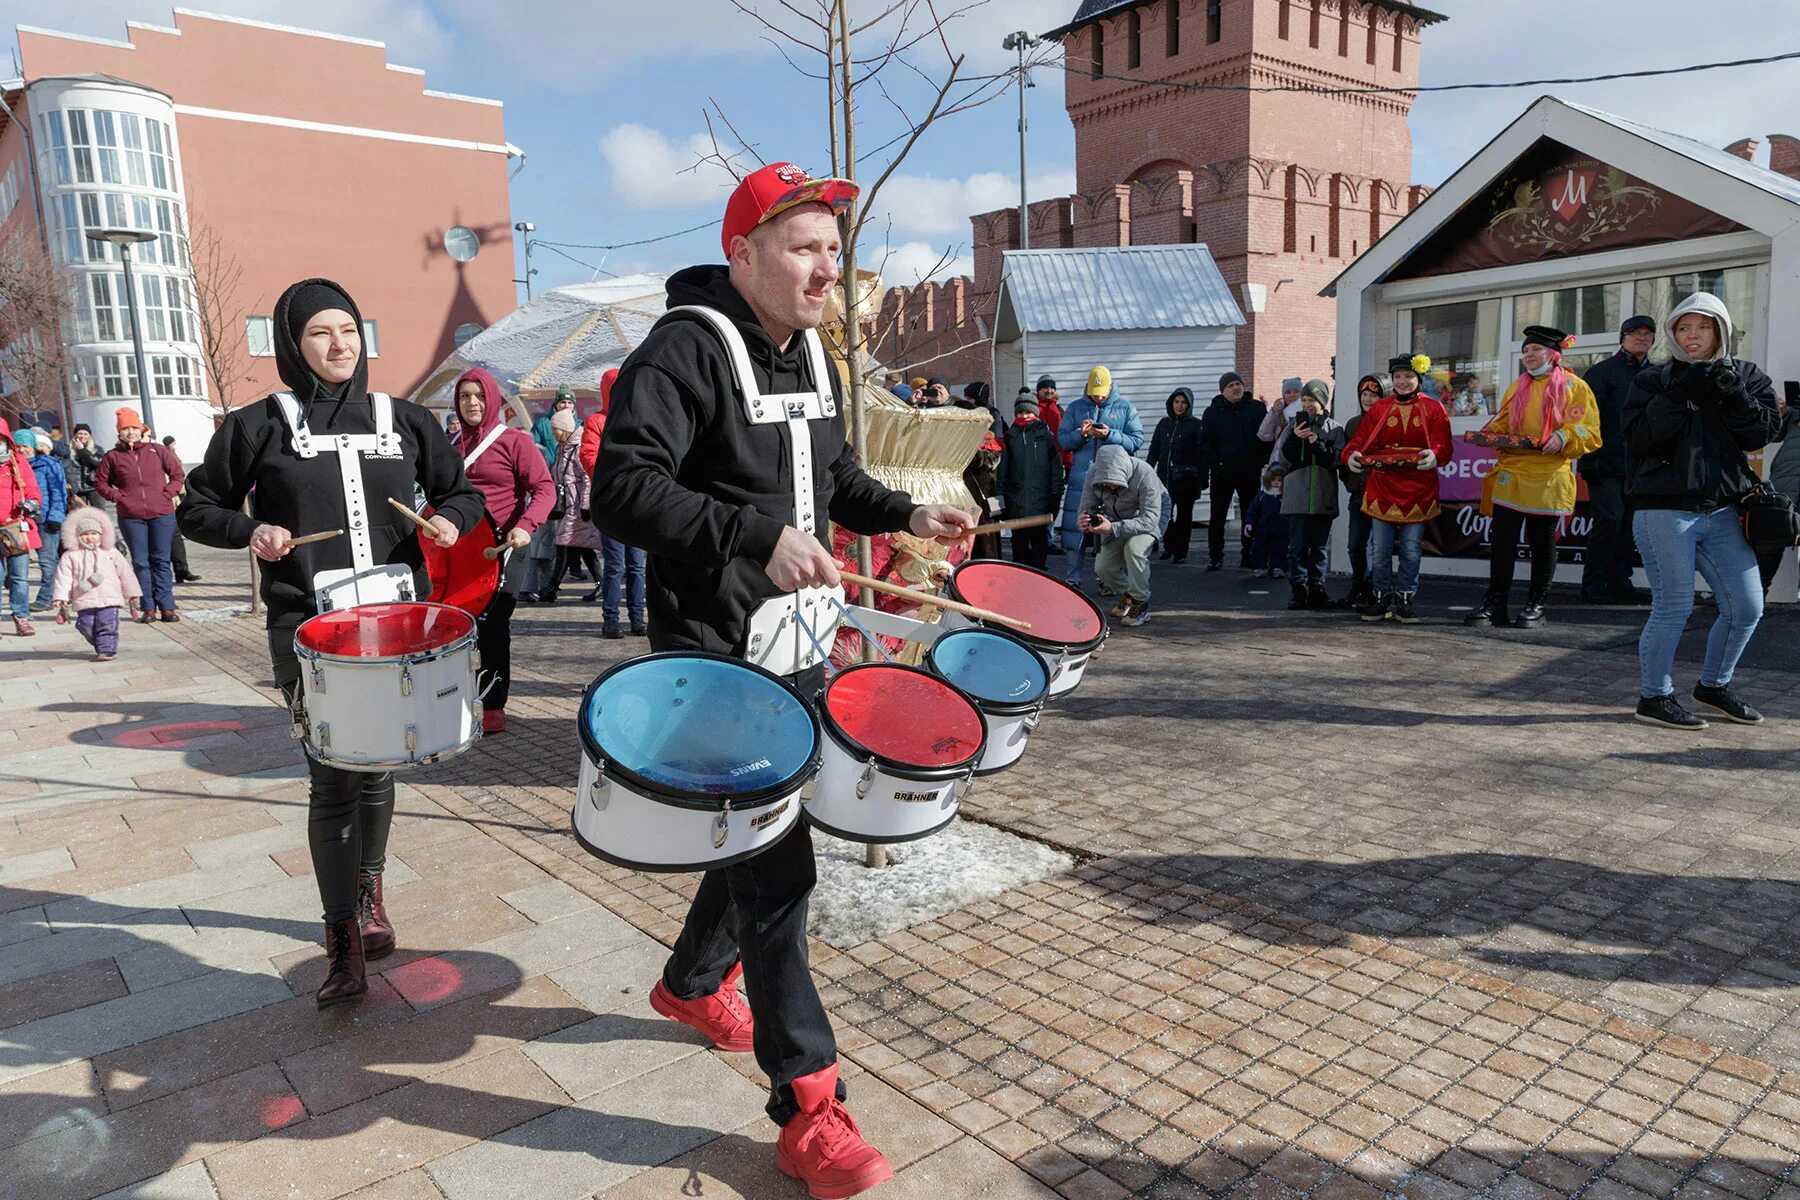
(723, 1016)
(611, 628)
(822, 1147)
(1532, 615)
(1491, 613)
(1297, 600)
(640, 627)
(493, 720)
(371, 915)
(23, 626)
(1316, 597)
(344, 978)
(1402, 610)
(1377, 607)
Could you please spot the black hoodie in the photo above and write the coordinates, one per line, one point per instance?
(1176, 446)
(683, 475)
(252, 450)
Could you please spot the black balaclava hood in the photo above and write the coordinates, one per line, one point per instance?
(298, 305)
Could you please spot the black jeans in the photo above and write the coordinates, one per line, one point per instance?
(1361, 526)
(1031, 547)
(1225, 485)
(559, 567)
(1540, 535)
(1307, 538)
(756, 910)
(1606, 565)
(348, 812)
(493, 638)
(1184, 491)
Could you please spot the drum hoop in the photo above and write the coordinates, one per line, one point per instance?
(878, 839)
(892, 766)
(998, 708)
(377, 765)
(1035, 641)
(461, 642)
(711, 864)
(686, 797)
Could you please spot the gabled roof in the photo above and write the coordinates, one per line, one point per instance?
(1113, 287)
(1092, 10)
(1754, 196)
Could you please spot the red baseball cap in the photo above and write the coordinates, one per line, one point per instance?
(770, 191)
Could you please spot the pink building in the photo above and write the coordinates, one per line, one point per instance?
(295, 153)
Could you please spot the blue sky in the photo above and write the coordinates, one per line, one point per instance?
(607, 97)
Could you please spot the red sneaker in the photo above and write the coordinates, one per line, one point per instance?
(722, 1016)
(822, 1146)
(493, 720)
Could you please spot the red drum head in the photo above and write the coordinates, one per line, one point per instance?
(384, 630)
(905, 716)
(463, 576)
(1059, 614)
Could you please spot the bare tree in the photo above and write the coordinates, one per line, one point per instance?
(37, 301)
(218, 316)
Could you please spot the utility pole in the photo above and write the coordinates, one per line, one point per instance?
(1022, 41)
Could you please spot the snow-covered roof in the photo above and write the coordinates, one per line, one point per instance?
(1708, 156)
(1113, 287)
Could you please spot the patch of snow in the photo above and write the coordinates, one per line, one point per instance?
(206, 616)
(962, 864)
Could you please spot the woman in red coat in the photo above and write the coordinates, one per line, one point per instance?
(20, 501)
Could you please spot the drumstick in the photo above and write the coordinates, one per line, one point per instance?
(412, 516)
(306, 539)
(906, 593)
(493, 552)
(1015, 523)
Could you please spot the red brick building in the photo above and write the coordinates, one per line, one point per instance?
(1285, 188)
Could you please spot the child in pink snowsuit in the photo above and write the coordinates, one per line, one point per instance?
(95, 580)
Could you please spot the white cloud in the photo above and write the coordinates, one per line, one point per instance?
(935, 207)
(915, 262)
(648, 171)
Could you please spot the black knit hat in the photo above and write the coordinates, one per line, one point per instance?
(978, 392)
(1228, 378)
(1633, 324)
(1044, 381)
(1543, 335)
(313, 298)
(1026, 401)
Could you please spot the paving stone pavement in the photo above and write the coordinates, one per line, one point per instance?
(1378, 912)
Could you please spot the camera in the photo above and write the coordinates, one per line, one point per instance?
(1724, 375)
(1096, 514)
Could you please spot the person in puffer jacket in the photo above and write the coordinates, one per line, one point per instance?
(1102, 417)
(94, 580)
(1310, 447)
(1126, 507)
(20, 507)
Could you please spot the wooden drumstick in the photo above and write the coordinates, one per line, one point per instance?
(412, 516)
(1015, 523)
(906, 593)
(306, 539)
(492, 552)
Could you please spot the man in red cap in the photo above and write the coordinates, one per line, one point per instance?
(725, 480)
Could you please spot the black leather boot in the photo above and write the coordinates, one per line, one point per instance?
(1316, 597)
(1491, 613)
(1297, 603)
(1532, 615)
(344, 976)
(371, 916)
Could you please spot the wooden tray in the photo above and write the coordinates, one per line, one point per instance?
(1387, 460)
(1501, 441)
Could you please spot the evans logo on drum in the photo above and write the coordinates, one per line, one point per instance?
(761, 764)
(769, 817)
(449, 691)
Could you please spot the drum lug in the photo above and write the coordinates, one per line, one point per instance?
(318, 676)
(412, 743)
(965, 783)
(405, 679)
(1035, 718)
(868, 776)
(324, 732)
(722, 826)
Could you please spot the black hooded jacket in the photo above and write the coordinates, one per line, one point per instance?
(685, 476)
(1229, 433)
(1176, 447)
(252, 456)
(1687, 440)
(1610, 380)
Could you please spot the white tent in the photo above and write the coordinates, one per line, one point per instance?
(563, 337)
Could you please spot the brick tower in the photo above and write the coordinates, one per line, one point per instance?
(1285, 188)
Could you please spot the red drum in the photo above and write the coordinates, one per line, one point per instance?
(463, 576)
(1066, 630)
(900, 748)
(388, 686)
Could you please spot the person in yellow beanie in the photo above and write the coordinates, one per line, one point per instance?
(1101, 417)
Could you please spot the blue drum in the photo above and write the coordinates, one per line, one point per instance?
(690, 761)
(1006, 678)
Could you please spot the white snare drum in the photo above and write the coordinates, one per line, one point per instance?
(900, 750)
(1007, 680)
(690, 762)
(1066, 630)
(388, 686)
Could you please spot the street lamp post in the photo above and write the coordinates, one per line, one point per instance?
(125, 239)
(1022, 41)
(526, 228)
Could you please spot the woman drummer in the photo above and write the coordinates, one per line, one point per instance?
(506, 466)
(328, 455)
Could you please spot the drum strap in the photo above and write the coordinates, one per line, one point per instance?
(349, 449)
(481, 447)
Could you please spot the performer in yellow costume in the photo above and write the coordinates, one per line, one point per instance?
(1531, 490)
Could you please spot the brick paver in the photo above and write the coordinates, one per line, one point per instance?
(1379, 912)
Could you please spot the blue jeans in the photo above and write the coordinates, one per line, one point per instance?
(47, 555)
(18, 594)
(150, 542)
(1383, 539)
(1673, 545)
(1308, 537)
(624, 573)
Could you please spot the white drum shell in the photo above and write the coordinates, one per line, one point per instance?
(388, 714)
(1066, 669)
(888, 809)
(1007, 734)
(634, 829)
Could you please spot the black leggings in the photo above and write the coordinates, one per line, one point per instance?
(348, 812)
(1540, 535)
(493, 639)
(566, 555)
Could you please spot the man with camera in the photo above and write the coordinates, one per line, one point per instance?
(1125, 508)
(1689, 426)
